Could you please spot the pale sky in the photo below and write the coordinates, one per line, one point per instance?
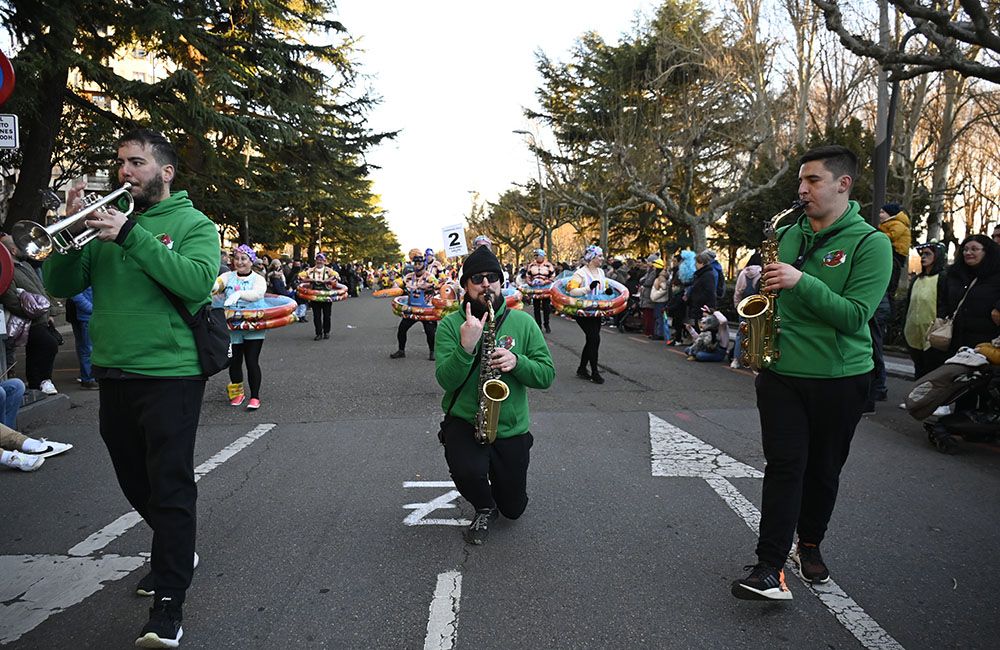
(454, 77)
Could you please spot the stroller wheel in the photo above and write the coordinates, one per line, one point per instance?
(942, 440)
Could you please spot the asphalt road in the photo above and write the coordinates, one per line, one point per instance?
(304, 540)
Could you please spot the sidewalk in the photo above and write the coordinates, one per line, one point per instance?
(37, 405)
(899, 367)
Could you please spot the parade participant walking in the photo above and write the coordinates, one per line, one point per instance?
(242, 288)
(145, 357)
(539, 272)
(832, 271)
(417, 284)
(492, 476)
(320, 276)
(589, 278)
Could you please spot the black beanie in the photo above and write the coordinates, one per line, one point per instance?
(892, 209)
(482, 260)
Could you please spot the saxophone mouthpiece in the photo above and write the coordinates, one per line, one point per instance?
(798, 204)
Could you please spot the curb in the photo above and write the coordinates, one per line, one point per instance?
(41, 409)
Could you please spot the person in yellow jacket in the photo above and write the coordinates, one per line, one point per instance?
(896, 224)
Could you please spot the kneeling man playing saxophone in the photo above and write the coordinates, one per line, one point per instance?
(487, 357)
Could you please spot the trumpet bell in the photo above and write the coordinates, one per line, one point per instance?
(32, 239)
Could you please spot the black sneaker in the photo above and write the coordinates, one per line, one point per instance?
(596, 377)
(582, 373)
(163, 630)
(430, 357)
(479, 529)
(869, 408)
(764, 583)
(810, 562)
(548, 330)
(398, 354)
(326, 335)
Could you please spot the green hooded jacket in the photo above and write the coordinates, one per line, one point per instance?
(518, 333)
(824, 318)
(134, 327)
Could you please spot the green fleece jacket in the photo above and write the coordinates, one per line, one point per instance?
(134, 327)
(534, 369)
(824, 318)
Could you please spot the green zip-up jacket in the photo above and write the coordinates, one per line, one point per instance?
(134, 327)
(824, 317)
(518, 333)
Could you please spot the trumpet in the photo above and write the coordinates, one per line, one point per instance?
(38, 241)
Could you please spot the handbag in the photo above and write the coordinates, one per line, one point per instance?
(211, 334)
(940, 332)
(33, 304)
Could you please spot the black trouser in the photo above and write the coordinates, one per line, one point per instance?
(806, 427)
(248, 350)
(149, 428)
(39, 355)
(925, 361)
(591, 326)
(321, 312)
(543, 307)
(488, 476)
(430, 327)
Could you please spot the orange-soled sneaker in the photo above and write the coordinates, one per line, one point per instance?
(810, 562)
(765, 582)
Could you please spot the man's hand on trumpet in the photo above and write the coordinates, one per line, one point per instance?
(108, 223)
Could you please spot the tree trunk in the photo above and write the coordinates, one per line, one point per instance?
(942, 158)
(36, 166)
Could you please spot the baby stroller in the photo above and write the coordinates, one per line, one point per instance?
(946, 385)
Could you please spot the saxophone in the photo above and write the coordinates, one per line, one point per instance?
(761, 324)
(492, 391)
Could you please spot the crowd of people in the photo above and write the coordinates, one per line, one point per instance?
(834, 273)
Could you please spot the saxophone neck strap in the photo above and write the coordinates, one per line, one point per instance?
(804, 254)
(479, 356)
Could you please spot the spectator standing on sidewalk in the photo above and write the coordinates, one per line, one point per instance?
(659, 295)
(40, 351)
(747, 284)
(922, 308)
(78, 311)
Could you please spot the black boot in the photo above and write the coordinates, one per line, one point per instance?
(398, 354)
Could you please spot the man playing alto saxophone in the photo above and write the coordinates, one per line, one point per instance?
(832, 270)
(492, 477)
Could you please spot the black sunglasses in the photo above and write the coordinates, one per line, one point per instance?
(491, 277)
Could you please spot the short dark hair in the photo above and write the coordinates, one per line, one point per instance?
(838, 160)
(163, 150)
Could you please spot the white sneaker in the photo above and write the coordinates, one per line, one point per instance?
(53, 448)
(903, 405)
(48, 387)
(735, 363)
(942, 410)
(23, 462)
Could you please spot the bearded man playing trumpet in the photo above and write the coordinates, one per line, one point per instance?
(831, 271)
(492, 475)
(145, 359)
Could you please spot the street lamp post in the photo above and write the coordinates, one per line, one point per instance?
(546, 234)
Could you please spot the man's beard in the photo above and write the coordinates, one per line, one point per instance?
(148, 194)
(479, 307)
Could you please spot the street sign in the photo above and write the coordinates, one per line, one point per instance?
(8, 132)
(6, 78)
(454, 240)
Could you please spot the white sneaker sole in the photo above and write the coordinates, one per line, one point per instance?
(747, 592)
(798, 570)
(150, 640)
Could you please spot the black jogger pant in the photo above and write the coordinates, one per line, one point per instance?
(148, 426)
(806, 427)
(39, 355)
(430, 327)
(591, 326)
(543, 307)
(488, 476)
(321, 317)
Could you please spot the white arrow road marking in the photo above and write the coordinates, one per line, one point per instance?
(442, 624)
(422, 509)
(34, 587)
(676, 452)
